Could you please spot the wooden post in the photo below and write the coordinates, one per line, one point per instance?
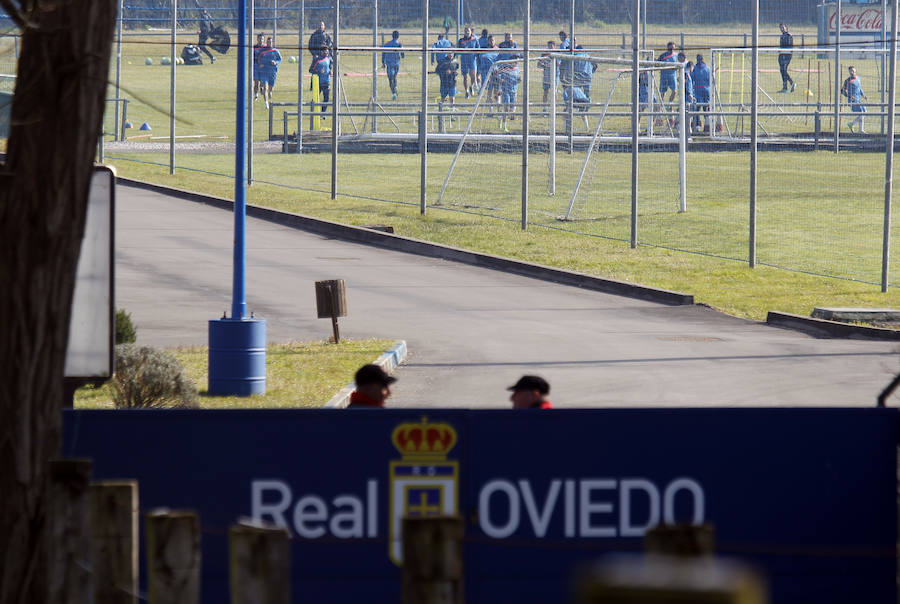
(432, 560)
(331, 302)
(69, 517)
(114, 512)
(260, 565)
(173, 557)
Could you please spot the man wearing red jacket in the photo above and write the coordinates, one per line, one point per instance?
(530, 392)
(373, 387)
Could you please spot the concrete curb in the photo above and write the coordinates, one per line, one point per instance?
(394, 355)
(432, 250)
(823, 328)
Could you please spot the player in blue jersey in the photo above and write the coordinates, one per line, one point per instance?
(688, 93)
(485, 61)
(257, 78)
(508, 75)
(584, 71)
(701, 78)
(322, 67)
(447, 70)
(508, 43)
(269, 59)
(390, 60)
(667, 79)
(442, 42)
(564, 42)
(485, 41)
(852, 89)
(467, 60)
(545, 64)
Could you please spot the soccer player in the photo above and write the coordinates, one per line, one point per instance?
(508, 75)
(584, 72)
(485, 41)
(442, 42)
(391, 61)
(485, 62)
(784, 59)
(852, 89)
(688, 92)
(467, 60)
(508, 42)
(564, 42)
(667, 76)
(257, 77)
(269, 59)
(319, 42)
(206, 27)
(545, 64)
(447, 71)
(700, 76)
(322, 68)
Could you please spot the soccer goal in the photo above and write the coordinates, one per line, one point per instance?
(579, 140)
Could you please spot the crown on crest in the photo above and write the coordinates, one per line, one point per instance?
(424, 439)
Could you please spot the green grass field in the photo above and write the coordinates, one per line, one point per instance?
(819, 213)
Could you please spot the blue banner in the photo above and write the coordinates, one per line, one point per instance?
(807, 495)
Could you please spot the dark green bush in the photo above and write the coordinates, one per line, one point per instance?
(148, 378)
(125, 331)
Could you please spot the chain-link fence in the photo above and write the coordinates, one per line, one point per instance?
(408, 116)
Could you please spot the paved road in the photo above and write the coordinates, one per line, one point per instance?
(472, 332)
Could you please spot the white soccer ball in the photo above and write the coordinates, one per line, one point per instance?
(165, 61)
(292, 60)
(179, 61)
(148, 61)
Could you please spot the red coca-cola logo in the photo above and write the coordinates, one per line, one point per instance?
(865, 20)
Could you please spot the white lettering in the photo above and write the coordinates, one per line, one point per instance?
(274, 510)
(589, 507)
(372, 508)
(310, 509)
(539, 520)
(569, 529)
(684, 484)
(484, 509)
(626, 486)
(347, 524)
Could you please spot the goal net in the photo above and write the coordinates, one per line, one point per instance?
(579, 142)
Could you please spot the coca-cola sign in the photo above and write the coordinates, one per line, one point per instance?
(856, 19)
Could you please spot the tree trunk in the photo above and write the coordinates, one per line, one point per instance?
(56, 117)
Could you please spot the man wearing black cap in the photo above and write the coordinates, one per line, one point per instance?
(530, 392)
(373, 387)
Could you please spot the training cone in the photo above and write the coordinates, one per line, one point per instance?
(145, 126)
(129, 125)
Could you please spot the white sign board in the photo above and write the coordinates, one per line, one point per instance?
(91, 326)
(861, 24)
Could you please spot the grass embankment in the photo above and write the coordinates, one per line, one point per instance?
(802, 222)
(298, 374)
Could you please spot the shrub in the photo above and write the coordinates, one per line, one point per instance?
(125, 331)
(150, 378)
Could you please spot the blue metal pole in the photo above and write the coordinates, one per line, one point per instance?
(238, 300)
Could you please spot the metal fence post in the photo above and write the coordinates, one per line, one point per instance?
(525, 115)
(889, 156)
(423, 117)
(335, 95)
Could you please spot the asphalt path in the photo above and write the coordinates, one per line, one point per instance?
(472, 332)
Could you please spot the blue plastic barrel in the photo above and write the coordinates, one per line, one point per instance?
(237, 357)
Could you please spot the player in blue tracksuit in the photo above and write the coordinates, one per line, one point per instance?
(268, 59)
(322, 67)
(391, 61)
(667, 79)
(688, 93)
(508, 43)
(701, 78)
(467, 60)
(447, 70)
(564, 42)
(442, 42)
(545, 64)
(852, 89)
(508, 75)
(257, 78)
(584, 71)
(485, 61)
(485, 41)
